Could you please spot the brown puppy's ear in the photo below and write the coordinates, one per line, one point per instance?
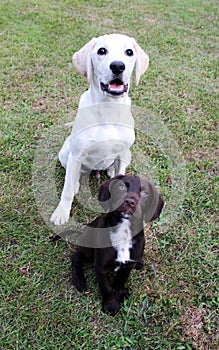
(159, 208)
(82, 59)
(154, 203)
(104, 194)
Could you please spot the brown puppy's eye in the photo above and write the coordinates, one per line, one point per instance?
(144, 193)
(102, 51)
(129, 52)
(122, 187)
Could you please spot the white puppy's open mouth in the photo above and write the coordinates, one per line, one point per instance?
(115, 87)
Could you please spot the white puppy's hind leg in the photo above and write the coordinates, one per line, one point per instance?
(111, 171)
(71, 187)
(123, 161)
(64, 152)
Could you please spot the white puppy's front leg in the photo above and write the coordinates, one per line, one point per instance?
(71, 187)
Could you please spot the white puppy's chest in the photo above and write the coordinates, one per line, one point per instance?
(100, 134)
(121, 239)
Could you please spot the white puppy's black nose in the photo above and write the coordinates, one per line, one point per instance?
(117, 67)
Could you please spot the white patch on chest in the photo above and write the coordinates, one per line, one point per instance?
(121, 239)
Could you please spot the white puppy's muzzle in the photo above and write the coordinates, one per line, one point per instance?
(116, 86)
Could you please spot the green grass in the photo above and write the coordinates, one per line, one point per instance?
(174, 300)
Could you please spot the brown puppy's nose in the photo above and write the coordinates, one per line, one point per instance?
(117, 67)
(131, 202)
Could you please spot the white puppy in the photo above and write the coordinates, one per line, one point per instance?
(103, 130)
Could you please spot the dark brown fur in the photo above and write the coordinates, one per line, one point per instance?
(139, 202)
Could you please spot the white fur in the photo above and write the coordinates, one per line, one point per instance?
(103, 130)
(121, 239)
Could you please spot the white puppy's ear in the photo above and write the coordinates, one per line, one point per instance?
(82, 59)
(142, 62)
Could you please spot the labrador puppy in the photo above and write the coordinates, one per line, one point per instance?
(114, 242)
(103, 130)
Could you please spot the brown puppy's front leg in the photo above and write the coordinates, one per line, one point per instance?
(119, 282)
(109, 302)
(78, 277)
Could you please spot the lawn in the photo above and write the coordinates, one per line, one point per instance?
(174, 300)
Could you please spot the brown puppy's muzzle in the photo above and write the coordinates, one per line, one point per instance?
(129, 205)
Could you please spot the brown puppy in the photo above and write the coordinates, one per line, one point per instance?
(115, 241)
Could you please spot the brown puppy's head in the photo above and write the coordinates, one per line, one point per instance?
(131, 197)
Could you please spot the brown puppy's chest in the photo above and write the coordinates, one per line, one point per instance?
(121, 239)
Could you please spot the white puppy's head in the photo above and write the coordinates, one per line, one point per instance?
(108, 63)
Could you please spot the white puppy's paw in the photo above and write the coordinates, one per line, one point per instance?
(60, 216)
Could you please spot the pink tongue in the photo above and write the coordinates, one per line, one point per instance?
(116, 87)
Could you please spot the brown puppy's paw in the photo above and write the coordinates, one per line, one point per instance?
(111, 307)
(79, 285)
(121, 294)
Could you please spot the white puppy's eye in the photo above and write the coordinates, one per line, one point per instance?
(129, 52)
(122, 187)
(102, 51)
(144, 193)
